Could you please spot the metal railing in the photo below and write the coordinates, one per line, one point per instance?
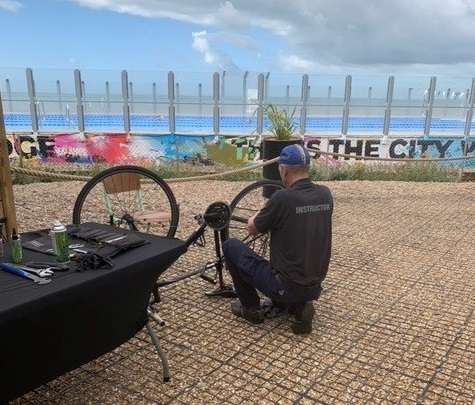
(232, 96)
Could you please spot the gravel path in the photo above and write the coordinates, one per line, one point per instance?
(395, 322)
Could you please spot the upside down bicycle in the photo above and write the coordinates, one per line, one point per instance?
(137, 199)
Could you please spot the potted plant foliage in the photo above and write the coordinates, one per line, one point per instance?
(282, 127)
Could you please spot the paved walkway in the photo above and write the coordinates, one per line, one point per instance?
(395, 323)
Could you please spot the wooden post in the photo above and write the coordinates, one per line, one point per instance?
(7, 203)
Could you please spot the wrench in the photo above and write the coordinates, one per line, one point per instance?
(9, 268)
(50, 266)
(45, 272)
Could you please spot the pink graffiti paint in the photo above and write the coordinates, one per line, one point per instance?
(109, 148)
(113, 148)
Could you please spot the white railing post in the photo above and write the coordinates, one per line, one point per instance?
(154, 97)
(346, 106)
(303, 109)
(33, 103)
(79, 100)
(469, 116)
(108, 98)
(60, 96)
(125, 101)
(468, 125)
(244, 92)
(260, 107)
(171, 102)
(387, 111)
(216, 103)
(430, 103)
(9, 95)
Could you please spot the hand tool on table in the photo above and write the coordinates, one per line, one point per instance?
(52, 266)
(40, 272)
(10, 268)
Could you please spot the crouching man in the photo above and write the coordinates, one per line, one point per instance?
(299, 219)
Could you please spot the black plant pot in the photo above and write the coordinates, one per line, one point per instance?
(271, 149)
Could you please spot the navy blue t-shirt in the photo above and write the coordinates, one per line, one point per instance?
(299, 219)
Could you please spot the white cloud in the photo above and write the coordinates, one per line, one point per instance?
(10, 5)
(294, 63)
(384, 33)
(202, 44)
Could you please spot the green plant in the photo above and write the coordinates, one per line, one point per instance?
(281, 122)
(409, 171)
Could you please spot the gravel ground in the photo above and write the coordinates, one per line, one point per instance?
(395, 323)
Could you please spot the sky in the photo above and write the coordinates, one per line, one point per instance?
(332, 37)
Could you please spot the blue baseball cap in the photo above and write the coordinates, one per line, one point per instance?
(294, 155)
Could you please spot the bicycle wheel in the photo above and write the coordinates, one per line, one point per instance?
(128, 197)
(247, 203)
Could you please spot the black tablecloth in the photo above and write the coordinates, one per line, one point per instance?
(48, 330)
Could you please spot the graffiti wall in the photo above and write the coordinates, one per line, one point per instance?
(396, 148)
(108, 148)
(119, 148)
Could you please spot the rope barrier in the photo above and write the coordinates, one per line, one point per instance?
(72, 177)
(50, 175)
(216, 175)
(62, 176)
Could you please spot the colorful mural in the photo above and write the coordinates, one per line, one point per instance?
(233, 151)
(119, 148)
(413, 148)
(108, 148)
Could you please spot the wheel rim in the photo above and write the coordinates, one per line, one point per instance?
(246, 204)
(129, 198)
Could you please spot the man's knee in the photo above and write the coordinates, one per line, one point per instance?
(232, 247)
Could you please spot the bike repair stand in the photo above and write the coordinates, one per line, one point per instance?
(222, 290)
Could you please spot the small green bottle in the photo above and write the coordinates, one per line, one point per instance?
(16, 249)
(59, 237)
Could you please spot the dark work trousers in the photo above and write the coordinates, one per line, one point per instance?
(250, 271)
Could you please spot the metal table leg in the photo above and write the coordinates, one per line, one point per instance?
(153, 315)
(161, 353)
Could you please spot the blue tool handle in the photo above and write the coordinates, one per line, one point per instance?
(9, 268)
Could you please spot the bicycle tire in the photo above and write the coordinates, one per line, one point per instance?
(175, 213)
(263, 248)
(251, 187)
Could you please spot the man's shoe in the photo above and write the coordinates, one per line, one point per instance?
(273, 309)
(303, 318)
(254, 316)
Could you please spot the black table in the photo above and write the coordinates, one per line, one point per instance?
(48, 330)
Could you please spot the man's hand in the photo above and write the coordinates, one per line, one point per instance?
(251, 227)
